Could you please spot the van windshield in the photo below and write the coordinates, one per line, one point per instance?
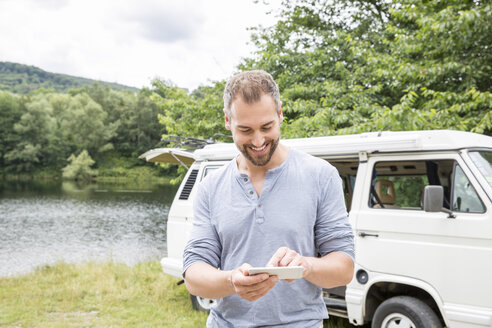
(483, 162)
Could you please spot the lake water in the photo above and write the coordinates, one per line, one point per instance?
(42, 223)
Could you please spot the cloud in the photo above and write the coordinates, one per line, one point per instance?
(165, 21)
(52, 4)
(45, 4)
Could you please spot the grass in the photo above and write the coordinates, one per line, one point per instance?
(137, 173)
(96, 295)
(111, 167)
(100, 295)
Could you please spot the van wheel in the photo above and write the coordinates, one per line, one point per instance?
(201, 304)
(405, 312)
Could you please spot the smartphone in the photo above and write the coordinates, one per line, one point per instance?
(292, 272)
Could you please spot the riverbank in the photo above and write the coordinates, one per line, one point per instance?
(101, 295)
(111, 168)
(140, 174)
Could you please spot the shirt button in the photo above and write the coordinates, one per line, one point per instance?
(245, 179)
(259, 221)
(251, 192)
(259, 205)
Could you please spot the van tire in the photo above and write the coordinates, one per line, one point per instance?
(405, 312)
(201, 304)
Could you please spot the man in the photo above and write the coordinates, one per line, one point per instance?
(270, 206)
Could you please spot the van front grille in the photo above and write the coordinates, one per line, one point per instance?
(185, 193)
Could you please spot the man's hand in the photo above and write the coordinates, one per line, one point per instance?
(332, 270)
(249, 287)
(284, 257)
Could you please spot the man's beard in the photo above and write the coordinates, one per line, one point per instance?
(261, 160)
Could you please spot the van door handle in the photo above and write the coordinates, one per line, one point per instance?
(365, 234)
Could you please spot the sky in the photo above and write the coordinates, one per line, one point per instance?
(132, 42)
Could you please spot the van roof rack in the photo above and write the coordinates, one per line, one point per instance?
(193, 143)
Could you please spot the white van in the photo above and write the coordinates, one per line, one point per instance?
(420, 204)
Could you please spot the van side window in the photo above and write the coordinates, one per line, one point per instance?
(399, 191)
(465, 198)
(348, 183)
(483, 162)
(347, 171)
(400, 184)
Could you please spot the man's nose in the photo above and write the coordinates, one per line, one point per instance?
(258, 139)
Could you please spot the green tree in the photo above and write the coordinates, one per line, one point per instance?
(139, 129)
(198, 114)
(110, 100)
(10, 114)
(35, 128)
(79, 167)
(60, 146)
(84, 125)
(132, 113)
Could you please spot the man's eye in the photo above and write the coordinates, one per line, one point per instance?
(266, 128)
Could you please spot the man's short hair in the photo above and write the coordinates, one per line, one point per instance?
(250, 86)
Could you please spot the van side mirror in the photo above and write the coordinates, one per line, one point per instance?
(433, 199)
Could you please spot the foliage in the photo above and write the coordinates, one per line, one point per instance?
(18, 78)
(198, 114)
(42, 129)
(404, 65)
(133, 117)
(139, 127)
(35, 127)
(86, 124)
(113, 166)
(10, 114)
(79, 167)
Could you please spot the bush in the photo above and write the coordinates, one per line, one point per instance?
(79, 167)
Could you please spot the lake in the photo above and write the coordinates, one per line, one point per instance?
(42, 223)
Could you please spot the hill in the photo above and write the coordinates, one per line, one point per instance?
(19, 78)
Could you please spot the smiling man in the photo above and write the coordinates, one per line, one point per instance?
(270, 206)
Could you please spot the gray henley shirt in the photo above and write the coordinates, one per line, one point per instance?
(301, 207)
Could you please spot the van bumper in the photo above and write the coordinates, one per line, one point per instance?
(173, 267)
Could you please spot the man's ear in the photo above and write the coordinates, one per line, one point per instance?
(280, 114)
(227, 121)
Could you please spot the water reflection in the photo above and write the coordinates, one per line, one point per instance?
(46, 222)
